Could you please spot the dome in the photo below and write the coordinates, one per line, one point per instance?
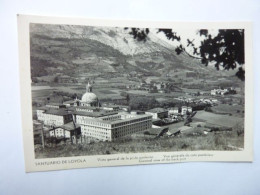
(89, 98)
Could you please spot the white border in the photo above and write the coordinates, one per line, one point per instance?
(32, 164)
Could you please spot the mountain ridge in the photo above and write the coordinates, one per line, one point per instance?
(103, 49)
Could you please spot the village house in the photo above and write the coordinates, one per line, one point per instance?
(185, 110)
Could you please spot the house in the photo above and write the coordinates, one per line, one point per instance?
(66, 131)
(184, 110)
(158, 113)
(173, 111)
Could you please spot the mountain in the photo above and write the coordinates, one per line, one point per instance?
(103, 49)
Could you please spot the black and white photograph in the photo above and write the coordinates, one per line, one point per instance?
(117, 90)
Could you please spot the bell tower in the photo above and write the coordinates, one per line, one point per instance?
(89, 87)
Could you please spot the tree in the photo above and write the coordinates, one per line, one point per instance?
(225, 50)
(127, 99)
(143, 103)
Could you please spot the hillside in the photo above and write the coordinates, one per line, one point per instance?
(66, 48)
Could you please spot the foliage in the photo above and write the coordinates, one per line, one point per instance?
(226, 140)
(225, 50)
(143, 103)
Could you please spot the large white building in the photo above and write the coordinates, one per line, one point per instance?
(112, 127)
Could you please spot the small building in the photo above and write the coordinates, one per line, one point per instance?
(66, 131)
(184, 110)
(173, 111)
(53, 117)
(219, 91)
(158, 113)
(125, 108)
(110, 107)
(72, 103)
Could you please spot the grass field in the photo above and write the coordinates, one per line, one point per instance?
(106, 91)
(218, 119)
(225, 141)
(236, 110)
(41, 93)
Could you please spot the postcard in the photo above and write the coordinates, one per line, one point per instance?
(115, 92)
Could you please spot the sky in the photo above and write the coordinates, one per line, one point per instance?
(191, 34)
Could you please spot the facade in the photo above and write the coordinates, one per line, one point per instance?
(66, 131)
(158, 113)
(111, 107)
(54, 117)
(72, 103)
(113, 126)
(55, 105)
(185, 109)
(173, 111)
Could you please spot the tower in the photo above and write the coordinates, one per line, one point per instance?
(89, 87)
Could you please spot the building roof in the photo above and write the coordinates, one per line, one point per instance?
(89, 98)
(54, 104)
(94, 114)
(157, 110)
(174, 108)
(60, 112)
(110, 106)
(70, 101)
(127, 119)
(120, 120)
(88, 107)
(42, 108)
(70, 126)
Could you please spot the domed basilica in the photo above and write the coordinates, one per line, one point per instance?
(89, 98)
